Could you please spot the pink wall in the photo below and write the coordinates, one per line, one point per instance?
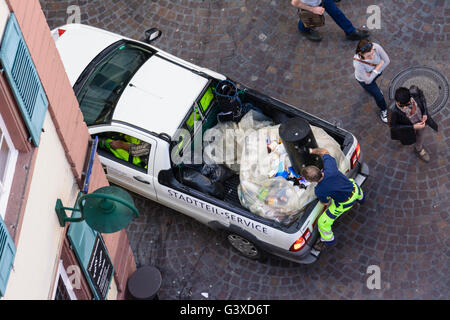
(63, 105)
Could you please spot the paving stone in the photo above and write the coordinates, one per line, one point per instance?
(403, 227)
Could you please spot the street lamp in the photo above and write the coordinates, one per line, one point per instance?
(106, 210)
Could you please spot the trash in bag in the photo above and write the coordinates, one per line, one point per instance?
(198, 181)
(274, 199)
(269, 186)
(264, 188)
(216, 172)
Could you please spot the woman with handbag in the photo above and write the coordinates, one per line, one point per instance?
(369, 62)
(311, 16)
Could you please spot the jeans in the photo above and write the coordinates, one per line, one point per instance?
(375, 92)
(336, 14)
(420, 138)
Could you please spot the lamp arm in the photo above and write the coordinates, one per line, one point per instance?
(109, 197)
(61, 213)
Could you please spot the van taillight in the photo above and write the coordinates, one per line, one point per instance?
(300, 243)
(355, 156)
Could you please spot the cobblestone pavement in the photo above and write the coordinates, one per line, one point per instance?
(404, 225)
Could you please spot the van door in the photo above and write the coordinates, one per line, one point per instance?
(135, 174)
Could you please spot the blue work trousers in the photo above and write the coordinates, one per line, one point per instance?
(336, 14)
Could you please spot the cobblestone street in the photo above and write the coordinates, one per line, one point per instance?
(403, 226)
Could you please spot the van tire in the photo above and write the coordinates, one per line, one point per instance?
(245, 247)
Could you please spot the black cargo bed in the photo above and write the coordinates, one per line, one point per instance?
(231, 194)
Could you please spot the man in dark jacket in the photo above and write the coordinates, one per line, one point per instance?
(408, 117)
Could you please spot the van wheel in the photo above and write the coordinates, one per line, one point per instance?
(245, 247)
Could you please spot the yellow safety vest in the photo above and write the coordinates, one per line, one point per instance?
(123, 154)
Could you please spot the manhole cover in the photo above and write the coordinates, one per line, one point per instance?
(433, 84)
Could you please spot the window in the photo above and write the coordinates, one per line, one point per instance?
(106, 82)
(125, 149)
(63, 287)
(8, 158)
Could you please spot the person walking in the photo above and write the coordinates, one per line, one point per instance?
(332, 185)
(369, 62)
(319, 7)
(408, 119)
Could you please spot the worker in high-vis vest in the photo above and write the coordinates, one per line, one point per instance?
(131, 150)
(332, 186)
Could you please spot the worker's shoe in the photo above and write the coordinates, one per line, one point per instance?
(358, 34)
(312, 35)
(322, 246)
(422, 154)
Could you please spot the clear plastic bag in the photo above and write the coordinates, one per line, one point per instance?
(223, 143)
(265, 164)
(276, 199)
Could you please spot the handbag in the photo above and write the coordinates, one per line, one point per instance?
(310, 19)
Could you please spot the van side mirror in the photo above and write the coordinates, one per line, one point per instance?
(152, 34)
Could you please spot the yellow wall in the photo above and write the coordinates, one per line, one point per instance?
(41, 237)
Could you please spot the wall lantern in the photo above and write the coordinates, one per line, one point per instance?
(106, 210)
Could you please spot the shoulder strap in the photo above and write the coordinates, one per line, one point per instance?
(362, 61)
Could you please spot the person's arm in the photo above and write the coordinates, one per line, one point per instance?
(385, 61)
(300, 5)
(319, 151)
(399, 130)
(360, 72)
(323, 199)
(119, 144)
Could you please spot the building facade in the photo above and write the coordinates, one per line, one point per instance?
(44, 151)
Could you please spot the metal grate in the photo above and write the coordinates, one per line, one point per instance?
(231, 194)
(433, 84)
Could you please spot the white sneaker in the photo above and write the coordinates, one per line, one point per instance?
(383, 116)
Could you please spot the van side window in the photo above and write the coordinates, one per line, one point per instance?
(125, 149)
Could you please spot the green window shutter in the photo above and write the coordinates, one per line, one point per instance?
(23, 79)
(82, 238)
(7, 254)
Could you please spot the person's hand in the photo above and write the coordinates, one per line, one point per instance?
(424, 118)
(318, 10)
(419, 125)
(378, 67)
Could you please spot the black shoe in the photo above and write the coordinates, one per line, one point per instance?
(358, 35)
(322, 246)
(312, 35)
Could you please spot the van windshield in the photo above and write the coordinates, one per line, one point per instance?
(107, 78)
